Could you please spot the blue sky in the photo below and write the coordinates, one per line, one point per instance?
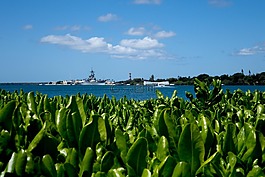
(62, 40)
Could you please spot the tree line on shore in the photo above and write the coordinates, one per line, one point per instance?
(236, 79)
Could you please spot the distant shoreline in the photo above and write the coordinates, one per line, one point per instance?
(22, 83)
(235, 79)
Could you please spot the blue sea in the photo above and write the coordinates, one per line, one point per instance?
(137, 92)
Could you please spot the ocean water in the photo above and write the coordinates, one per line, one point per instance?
(137, 92)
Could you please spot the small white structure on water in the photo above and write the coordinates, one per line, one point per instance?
(159, 84)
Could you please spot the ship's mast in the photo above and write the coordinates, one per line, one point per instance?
(92, 75)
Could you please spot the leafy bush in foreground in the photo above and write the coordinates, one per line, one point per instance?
(214, 134)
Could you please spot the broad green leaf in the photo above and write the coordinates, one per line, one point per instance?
(146, 173)
(216, 126)
(116, 172)
(260, 109)
(89, 135)
(201, 90)
(72, 105)
(256, 172)
(70, 170)
(87, 163)
(48, 166)
(220, 166)
(108, 126)
(261, 141)
(17, 119)
(182, 169)
(246, 142)
(162, 127)
(31, 102)
(130, 122)
(72, 157)
(70, 129)
(189, 114)
(151, 138)
(77, 123)
(260, 123)
(157, 115)
(172, 128)
(230, 139)
(47, 105)
(232, 160)
(206, 133)
(80, 105)
(40, 106)
(37, 138)
(136, 157)
(6, 114)
(12, 163)
(162, 148)
(60, 170)
(99, 174)
(102, 129)
(30, 165)
(21, 162)
(206, 162)
(100, 151)
(107, 161)
(46, 116)
(191, 147)
(166, 168)
(61, 122)
(121, 143)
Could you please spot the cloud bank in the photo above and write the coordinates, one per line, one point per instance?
(108, 17)
(257, 49)
(164, 34)
(127, 48)
(141, 31)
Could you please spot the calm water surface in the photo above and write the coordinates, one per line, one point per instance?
(135, 92)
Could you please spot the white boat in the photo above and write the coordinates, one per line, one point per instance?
(162, 85)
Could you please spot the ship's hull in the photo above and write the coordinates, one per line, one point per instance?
(93, 83)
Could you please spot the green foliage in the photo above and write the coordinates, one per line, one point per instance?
(216, 133)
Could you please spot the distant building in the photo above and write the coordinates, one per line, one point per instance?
(163, 83)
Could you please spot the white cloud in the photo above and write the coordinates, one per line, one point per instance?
(27, 27)
(245, 52)
(145, 43)
(141, 31)
(164, 34)
(93, 44)
(108, 17)
(147, 1)
(136, 31)
(219, 3)
(258, 49)
(127, 48)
